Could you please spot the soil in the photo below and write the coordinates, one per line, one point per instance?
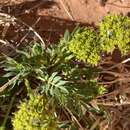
(53, 17)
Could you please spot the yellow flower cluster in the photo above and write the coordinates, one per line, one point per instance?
(85, 45)
(34, 115)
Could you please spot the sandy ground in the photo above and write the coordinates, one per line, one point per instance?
(55, 16)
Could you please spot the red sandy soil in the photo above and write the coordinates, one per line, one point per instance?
(55, 16)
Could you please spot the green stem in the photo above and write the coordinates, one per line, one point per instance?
(8, 111)
(29, 90)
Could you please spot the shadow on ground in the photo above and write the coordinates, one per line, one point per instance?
(50, 28)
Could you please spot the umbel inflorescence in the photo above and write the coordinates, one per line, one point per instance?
(113, 32)
(34, 114)
(85, 45)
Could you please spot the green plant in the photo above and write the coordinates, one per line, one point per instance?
(65, 75)
(85, 45)
(34, 114)
(2, 128)
(55, 75)
(54, 86)
(115, 32)
(59, 82)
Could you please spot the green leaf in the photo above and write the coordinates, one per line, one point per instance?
(60, 83)
(24, 53)
(10, 74)
(56, 79)
(54, 86)
(52, 77)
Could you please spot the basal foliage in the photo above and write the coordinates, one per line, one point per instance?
(54, 73)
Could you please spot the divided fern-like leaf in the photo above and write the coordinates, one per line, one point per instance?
(53, 85)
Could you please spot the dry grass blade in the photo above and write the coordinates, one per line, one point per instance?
(75, 119)
(114, 104)
(5, 18)
(66, 10)
(31, 29)
(5, 29)
(116, 65)
(7, 84)
(3, 42)
(95, 124)
(22, 39)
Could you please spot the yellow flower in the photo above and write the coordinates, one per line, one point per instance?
(34, 115)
